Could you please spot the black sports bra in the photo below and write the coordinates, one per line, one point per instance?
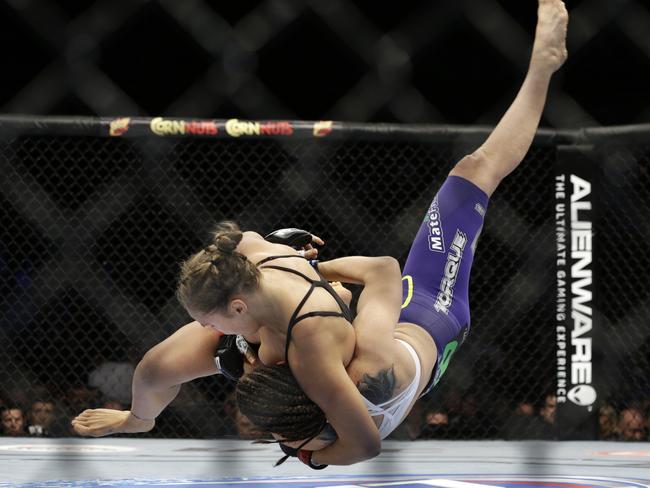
(322, 283)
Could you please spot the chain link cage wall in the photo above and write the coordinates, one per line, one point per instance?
(94, 227)
(624, 287)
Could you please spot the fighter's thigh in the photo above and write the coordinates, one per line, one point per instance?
(440, 259)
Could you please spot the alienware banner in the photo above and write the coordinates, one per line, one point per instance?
(575, 197)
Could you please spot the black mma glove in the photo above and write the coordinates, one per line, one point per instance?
(230, 356)
(296, 238)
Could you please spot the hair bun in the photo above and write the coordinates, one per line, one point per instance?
(227, 243)
(211, 249)
(227, 236)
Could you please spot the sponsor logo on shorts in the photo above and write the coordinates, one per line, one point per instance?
(164, 127)
(236, 128)
(322, 128)
(454, 258)
(118, 127)
(480, 209)
(436, 237)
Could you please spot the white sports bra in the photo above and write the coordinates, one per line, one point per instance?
(395, 409)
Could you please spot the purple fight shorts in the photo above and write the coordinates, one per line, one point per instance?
(435, 279)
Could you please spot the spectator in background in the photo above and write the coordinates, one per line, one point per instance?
(13, 421)
(470, 422)
(436, 424)
(41, 418)
(548, 409)
(547, 416)
(437, 417)
(631, 425)
(607, 430)
(522, 422)
(526, 409)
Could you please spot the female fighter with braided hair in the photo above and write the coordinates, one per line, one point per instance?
(402, 339)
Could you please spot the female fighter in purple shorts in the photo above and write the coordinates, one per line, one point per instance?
(406, 330)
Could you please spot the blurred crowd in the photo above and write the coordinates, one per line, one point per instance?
(465, 419)
(40, 414)
(452, 416)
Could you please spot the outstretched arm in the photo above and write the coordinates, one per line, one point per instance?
(507, 145)
(185, 355)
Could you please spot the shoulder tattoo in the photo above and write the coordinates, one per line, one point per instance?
(378, 388)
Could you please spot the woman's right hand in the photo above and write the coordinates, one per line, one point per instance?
(103, 421)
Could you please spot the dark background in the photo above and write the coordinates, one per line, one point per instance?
(442, 61)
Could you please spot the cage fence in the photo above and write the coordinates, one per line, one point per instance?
(98, 213)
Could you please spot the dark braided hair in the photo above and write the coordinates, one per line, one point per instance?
(210, 277)
(273, 401)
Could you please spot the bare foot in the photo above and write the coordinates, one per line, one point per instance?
(549, 49)
(103, 421)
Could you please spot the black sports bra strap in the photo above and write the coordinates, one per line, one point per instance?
(271, 258)
(293, 271)
(322, 283)
(306, 316)
(293, 321)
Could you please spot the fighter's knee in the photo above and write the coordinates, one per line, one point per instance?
(476, 168)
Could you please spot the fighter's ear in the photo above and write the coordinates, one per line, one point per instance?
(238, 306)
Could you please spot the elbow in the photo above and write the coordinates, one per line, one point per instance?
(148, 371)
(392, 267)
(394, 264)
(389, 264)
(370, 446)
(372, 449)
(384, 268)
